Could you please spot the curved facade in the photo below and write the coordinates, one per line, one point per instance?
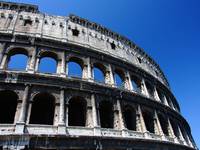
(131, 107)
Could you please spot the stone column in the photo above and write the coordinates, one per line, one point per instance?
(85, 71)
(107, 77)
(31, 68)
(118, 118)
(37, 63)
(156, 96)
(144, 88)
(94, 111)
(89, 114)
(66, 113)
(4, 61)
(23, 113)
(138, 121)
(2, 48)
(142, 123)
(58, 66)
(128, 83)
(95, 116)
(170, 103)
(181, 135)
(157, 126)
(187, 138)
(89, 69)
(63, 65)
(61, 123)
(165, 100)
(170, 130)
(111, 82)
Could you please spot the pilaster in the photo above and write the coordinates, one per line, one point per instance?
(23, 113)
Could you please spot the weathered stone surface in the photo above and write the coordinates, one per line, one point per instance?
(142, 116)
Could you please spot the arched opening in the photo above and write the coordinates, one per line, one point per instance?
(164, 124)
(77, 112)
(136, 83)
(169, 101)
(98, 73)
(42, 111)
(184, 134)
(8, 106)
(149, 121)
(161, 96)
(106, 114)
(130, 118)
(75, 67)
(119, 80)
(175, 128)
(48, 65)
(150, 90)
(18, 62)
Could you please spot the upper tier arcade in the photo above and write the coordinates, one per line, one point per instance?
(74, 30)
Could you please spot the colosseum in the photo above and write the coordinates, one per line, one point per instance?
(130, 108)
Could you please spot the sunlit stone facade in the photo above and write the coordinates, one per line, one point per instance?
(56, 111)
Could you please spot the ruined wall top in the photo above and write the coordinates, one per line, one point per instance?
(28, 21)
(19, 7)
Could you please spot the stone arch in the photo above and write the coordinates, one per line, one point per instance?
(136, 83)
(148, 116)
(150, 89)
(77, 111)
(106, 114)
(164, 124)
(43, 108)
(129, 113)
(17, 50)
(48, 58)
(175, 128)
(184, 133)
(119, 78)
(160, 95)
(8, 106)
(17, 59)
(100, 73)
(75, 67)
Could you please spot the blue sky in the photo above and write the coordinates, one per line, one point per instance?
(168, 30)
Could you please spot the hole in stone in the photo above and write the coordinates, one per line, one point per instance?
(27, 22)
(113, 46)
(75, 32)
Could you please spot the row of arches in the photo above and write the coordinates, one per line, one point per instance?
(43, 113)
(48, 64)
(75, 67)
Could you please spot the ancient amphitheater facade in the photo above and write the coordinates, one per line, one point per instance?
(58, 111)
